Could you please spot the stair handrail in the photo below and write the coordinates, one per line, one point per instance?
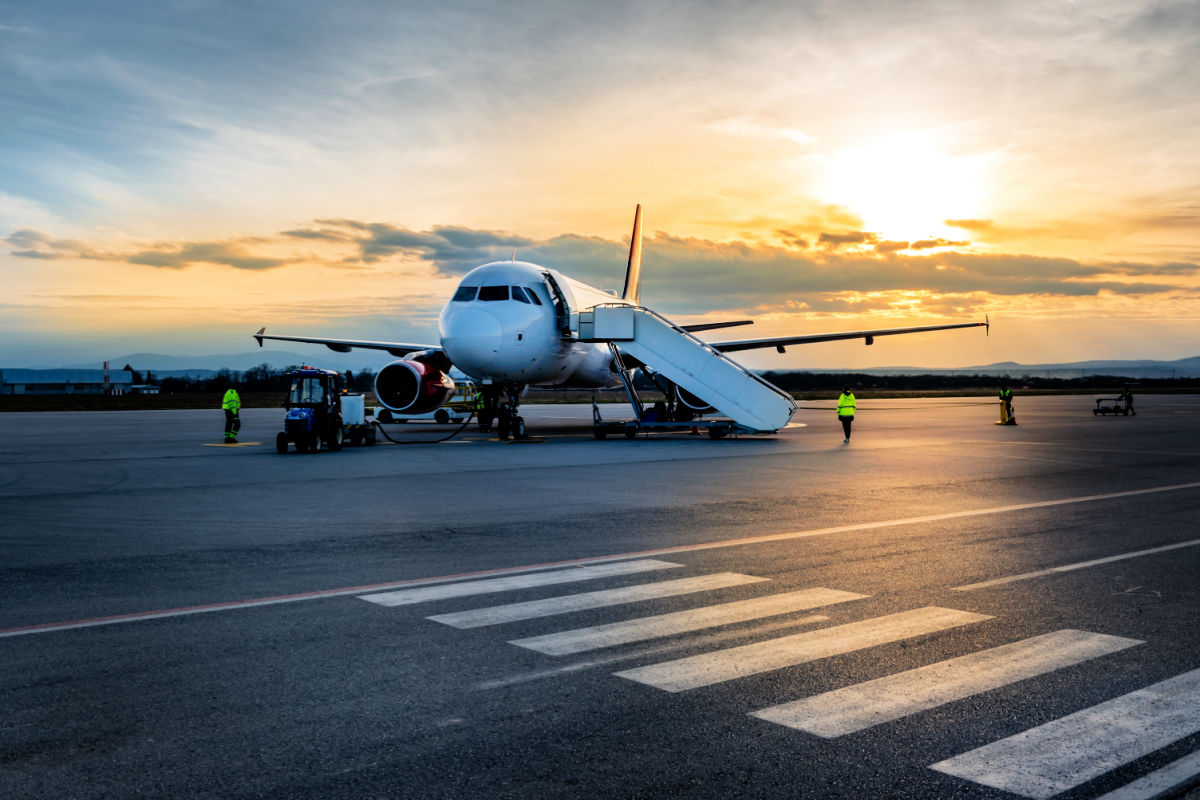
(745, 370)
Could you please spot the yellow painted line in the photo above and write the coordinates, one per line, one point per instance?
(236, 444)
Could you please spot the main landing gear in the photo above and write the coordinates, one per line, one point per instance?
(503, 411)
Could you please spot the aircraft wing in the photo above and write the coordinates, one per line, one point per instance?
(785, 341)
(712, 326)
(399, 349)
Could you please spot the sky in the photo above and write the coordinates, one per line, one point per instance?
(176, 174)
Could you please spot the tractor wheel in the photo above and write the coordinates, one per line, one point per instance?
(600, 433)
(441, 416)
(631, 432)
(717, 432)
(281, 443)
(333, 440)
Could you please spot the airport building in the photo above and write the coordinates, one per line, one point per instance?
(65, 381)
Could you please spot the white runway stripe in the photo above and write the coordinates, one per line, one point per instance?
(466, 589)
(496, 615)
(863, 705)
(1060, 755)
(639, 630)
(737, 662)
(1024, 576)
(1172, 778)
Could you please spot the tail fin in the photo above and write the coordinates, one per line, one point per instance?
(633, 272)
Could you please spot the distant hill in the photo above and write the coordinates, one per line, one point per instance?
(204, 366)
(165, 366)
(1142, 368)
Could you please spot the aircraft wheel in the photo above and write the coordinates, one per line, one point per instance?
(518, 428)
(502, 427)
(281, 443)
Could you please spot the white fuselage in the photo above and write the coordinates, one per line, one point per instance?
(515, 322)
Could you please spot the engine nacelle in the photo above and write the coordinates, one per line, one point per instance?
(691, 401)
(412, 387)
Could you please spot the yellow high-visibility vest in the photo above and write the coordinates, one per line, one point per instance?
(231, 402)
(846, 405)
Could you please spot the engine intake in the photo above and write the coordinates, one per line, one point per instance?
(412, 387)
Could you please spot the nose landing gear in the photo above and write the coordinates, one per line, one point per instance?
(508, 422)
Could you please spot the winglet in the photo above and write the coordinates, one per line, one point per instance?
(987, 326)
(633, 271)
(259, 335)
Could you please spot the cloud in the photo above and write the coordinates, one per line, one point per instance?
(686, 275)
(848, 238)
(31, 243)
(228, 254)
(453, 249)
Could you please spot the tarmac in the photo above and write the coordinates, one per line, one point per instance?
(667, 616)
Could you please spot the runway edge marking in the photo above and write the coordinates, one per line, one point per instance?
(775, 537)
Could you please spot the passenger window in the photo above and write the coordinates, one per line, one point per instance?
(518, 294)
(464, 294)
(493, 293)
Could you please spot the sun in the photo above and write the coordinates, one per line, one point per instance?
(904, 188)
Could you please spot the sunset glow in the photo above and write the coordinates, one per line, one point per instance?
(175, 176)
(904, 188)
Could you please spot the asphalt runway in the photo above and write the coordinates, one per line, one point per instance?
(942, 608)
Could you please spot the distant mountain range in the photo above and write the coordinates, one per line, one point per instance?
(165, 366)
(1142, 368)
(204, 366)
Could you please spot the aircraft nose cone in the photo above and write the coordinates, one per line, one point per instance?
(471, 338)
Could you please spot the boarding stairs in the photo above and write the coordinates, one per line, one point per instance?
(753, 404)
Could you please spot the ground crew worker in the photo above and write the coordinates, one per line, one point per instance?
(1006, 411)
(232, 404)
(845, 410)
(1127, 396)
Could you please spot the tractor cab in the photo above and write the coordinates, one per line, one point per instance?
(313, 388)
(314, 412)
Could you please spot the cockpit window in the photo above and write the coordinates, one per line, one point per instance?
(533, 295)
(464, 294)
(493, 293)
(518, 294)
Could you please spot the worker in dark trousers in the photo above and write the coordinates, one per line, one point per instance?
(1127, 396)
(845, 411)
(1006, 409)
(232, 405)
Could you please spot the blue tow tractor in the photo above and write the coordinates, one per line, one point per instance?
(320, 412)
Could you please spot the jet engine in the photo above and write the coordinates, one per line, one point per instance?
(412, 387)
(691, 401)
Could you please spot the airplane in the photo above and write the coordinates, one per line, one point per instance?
(512, 324)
